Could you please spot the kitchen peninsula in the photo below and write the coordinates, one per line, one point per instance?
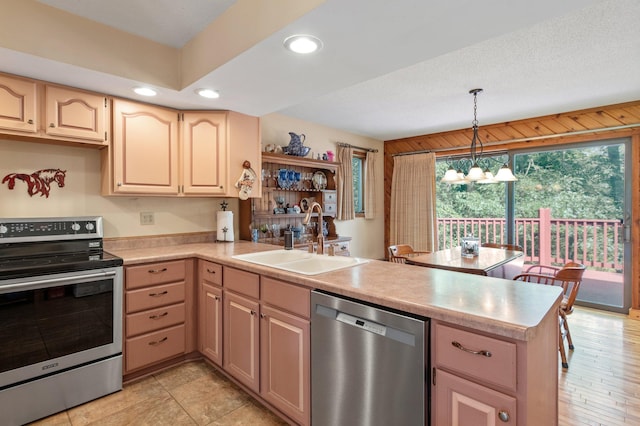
(515, 322)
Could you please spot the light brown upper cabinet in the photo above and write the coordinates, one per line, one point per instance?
(33, 110)
(160, 151)
(18, 105)
(144, 151)
(204, 153)
(75, 114)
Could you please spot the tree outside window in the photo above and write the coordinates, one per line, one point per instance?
(358, 169)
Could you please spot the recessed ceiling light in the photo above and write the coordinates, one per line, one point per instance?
(303, 43)
(145, 91)
(208, 93)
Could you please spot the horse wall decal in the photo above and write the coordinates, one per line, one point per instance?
(37, 182)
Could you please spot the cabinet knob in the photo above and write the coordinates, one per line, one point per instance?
(253, 312)
(503, 415)
(263, 316)
(217, 298)
(30, 121)
(52, 125)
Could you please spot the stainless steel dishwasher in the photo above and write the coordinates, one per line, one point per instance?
(369, 366)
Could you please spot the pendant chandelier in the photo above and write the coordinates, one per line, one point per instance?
(478, 165)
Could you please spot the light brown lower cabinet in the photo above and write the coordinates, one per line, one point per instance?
(210, 311)
(158, 322)
(267, 340)
(481, 379)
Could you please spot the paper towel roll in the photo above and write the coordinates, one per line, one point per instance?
(224, 220)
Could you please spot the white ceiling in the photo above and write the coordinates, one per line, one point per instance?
(390, 69)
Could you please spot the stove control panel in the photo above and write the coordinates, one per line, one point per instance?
(43, 229)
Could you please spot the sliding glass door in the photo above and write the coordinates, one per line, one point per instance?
(572, 204)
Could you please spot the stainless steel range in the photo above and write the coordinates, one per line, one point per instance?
(60, 316)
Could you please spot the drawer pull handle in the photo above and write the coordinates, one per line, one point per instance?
(164, 314)
(162, 293)
(471, 351)
(211, 271)
(157, 271)
(503, 415)
(157, 342)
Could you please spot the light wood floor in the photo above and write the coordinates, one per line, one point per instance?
(601, 386)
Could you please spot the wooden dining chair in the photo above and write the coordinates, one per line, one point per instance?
(569, 277)
(513, 247)
(399, 253)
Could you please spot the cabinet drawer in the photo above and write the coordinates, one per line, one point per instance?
(242, 282)
(498, 369)
(154, 297)
(154, 273)
(290, 297)
(150, 348)
(330, 208)
(210, 272)
(155, 319)
(329, 197)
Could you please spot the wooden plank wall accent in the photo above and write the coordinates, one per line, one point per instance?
(533, 133)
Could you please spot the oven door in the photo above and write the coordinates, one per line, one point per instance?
(53, 323)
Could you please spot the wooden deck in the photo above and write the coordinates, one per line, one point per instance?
(602, 384)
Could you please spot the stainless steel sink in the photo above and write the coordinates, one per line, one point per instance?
(300, 262)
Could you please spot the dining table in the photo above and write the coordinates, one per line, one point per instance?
(493, 262)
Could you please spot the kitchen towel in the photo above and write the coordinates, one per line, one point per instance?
(224, 221)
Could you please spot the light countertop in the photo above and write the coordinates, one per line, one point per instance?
(502, 307)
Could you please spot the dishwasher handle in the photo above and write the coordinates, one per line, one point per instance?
(364, 324)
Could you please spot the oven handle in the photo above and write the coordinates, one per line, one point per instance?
(48, 282)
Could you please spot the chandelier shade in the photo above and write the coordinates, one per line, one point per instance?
(479, 169)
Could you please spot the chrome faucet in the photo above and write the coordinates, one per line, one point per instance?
(307, 218)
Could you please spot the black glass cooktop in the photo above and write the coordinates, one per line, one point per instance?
(34, 259)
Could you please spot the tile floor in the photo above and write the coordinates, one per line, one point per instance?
(193, 393)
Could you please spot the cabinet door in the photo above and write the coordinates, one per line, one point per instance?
(460, 402)
(18, 105)
(204, 153)
(210, 330)
(145, 149)
(241, 339)
(76, 114)
(284, 363)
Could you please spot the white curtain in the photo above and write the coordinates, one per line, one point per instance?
(370, 185)
(413, 201)
(344, 184)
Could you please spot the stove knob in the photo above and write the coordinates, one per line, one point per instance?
(89, 226)
(3, 229)
(75, 226)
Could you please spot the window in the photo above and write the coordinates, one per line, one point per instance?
(358, 170)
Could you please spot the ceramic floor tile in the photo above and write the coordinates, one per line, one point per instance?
(208, 398)
(188, 372)
(141, 393)
(149, 413)
(250, 414)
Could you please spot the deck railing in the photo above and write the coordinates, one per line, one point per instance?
(596, 243)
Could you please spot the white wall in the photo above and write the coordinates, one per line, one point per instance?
(367, 234)
(81, 195)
